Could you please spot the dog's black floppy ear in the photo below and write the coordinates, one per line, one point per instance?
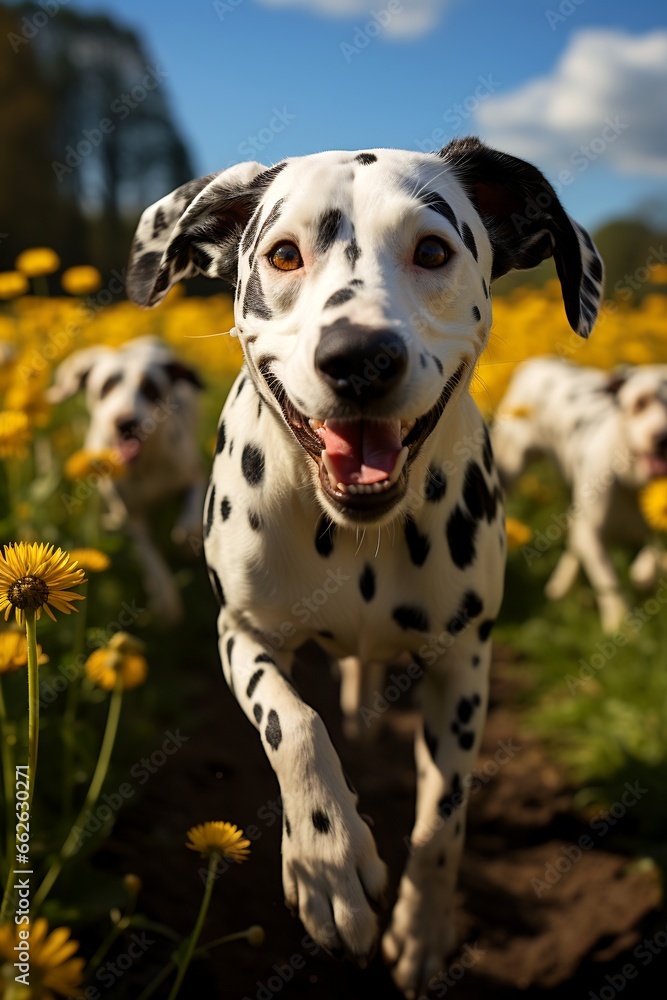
(526, 224)
(180, 372)
(194, 230)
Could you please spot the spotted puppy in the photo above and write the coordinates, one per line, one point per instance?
(354, 499)
(607, 433)
(142, 401)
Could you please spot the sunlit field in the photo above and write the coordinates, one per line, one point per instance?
(110, 683)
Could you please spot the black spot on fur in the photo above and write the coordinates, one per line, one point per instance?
(267, 176)
(328, 225)
(251, 231)
(325, 633)
(476, 700)
(471, 607)
(349, 784)
(595, 267)
(441, 861)
(254, 681)
(367, 583)
(469, 239)
(258, 712)
(321, 821)
(438, 363)
(357, 282)
(418, 545)
(240, 387)
(209, 512)
(288, 828)
(252, 464)
(264, 658)
(485, 288)
(231, 447)
(220, 439)
(411, 616)
(485, 629)
(476, 314)
(270, 220)
(352, 252)
(339, 297)
(217, 587)
(254, 301)
(254, 520)
(452, 800)
(422, 360)
(476, 661)
(273, 731)
(159, 222)
(225, 508)
(466, 740)
(366, 158)
(464, 710)
(436, 484)
(435, 201)
(478, 498)
(230, 648)
(461, 531)
(324, 535)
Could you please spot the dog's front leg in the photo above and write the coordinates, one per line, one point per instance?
(422, 931)
(331, 870)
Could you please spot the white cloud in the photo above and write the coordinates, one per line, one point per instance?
(404, 19)
(602, 76)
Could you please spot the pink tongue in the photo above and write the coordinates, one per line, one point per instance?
(361, 451)
(657, 466)
(129, 449)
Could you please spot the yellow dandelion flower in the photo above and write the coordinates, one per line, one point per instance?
(14, 434)
(14, 651)
(12, 284)
(121, 657)
(37, 261)
(518, 533)
(653, 503)
(82, 280)
(220, 838)
(55, 970)
(91, 560)
(88, 462)
(36, 576)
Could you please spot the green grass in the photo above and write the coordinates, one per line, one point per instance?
(598, 702)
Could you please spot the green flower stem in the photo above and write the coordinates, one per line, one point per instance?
(194, 937)
(72, 844)
(158, 981)
(7, 732)
(237, 936)
(33, 701)
(71, 705)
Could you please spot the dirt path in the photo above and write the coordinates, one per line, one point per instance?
(563, 944)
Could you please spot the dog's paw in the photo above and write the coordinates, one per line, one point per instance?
(613, 609)
(334, 879)
(420, 937)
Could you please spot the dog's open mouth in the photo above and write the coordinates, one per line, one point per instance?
(656, 465)
(128, 448)
(363, 462)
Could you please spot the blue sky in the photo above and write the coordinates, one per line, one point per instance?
(539, 78)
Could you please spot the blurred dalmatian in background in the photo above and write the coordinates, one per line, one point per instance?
(607, 433)
(143, 402)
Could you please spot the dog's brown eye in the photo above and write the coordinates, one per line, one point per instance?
(286, 257)
(431, 252)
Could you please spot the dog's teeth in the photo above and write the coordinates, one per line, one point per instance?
(404, 433)
(377, 487)
(342, 487)
(351, 488)
(328, 465)
(400, 462)
(315, 424)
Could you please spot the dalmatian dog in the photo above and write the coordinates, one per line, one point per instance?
(607, 433)
(143, 403)
(354, 499)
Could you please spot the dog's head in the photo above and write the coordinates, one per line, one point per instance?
(362, 291)
(130, 392)
(641, 395)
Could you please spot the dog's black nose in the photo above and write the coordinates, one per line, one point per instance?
(127, 427)
(359, 362)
